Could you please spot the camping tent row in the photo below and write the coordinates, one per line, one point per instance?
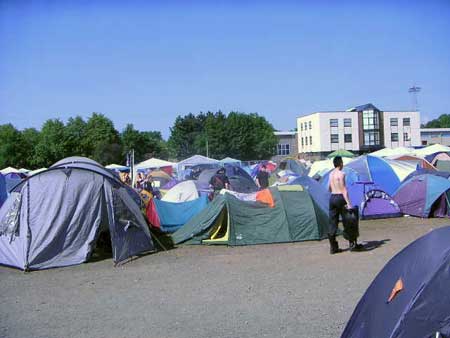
(54, 218)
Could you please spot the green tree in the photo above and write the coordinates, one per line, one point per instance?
(51, 145)
(442, 121)
(101, 140)
(146, 144)
(30, 138)
(186, 136)
(10, 147)
(239, 135)
(74, 135)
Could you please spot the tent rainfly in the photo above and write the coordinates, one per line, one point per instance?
(294, 216)
(341, 153)
(54, 218)
(409, 298)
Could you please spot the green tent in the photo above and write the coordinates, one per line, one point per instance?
(228, 220)
(341, 153)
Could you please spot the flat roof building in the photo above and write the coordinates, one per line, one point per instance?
(361, 129)
(435, 135)
(287, 145)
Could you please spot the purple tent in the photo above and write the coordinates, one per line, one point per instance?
(378, 204)
(423, 196)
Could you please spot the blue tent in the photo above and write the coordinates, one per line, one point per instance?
(319, 194)
(172, 215)
(3, 191)
(367, 173)
(421, 275)
(376, 170)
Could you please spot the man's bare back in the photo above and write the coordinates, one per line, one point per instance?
(337, 184)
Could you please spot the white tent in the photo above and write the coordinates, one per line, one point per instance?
(182, 192)
(154, 163)
(117, 167)
(193, 161)
(322, 167)
(435, 148)
(401, 168)
(229, 160)
(33, 172)
(9, 170)
(385, 152)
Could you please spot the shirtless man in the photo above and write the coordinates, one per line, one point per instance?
(338, 201)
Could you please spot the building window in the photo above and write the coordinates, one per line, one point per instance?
(306, 125)
(283, 149)
(394, 122)
(306, 140)
(370, 120)
(301, 126)
(310, 140)
(394, 137)
(348, 138)
(371, 138)
(348, 123)
(310, 125)
(406, 137)
(406, 122)
(334, 123)
(334, 138)
(302, 142)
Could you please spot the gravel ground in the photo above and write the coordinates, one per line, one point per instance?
(281, 290)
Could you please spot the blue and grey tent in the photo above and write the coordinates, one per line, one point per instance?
(3, 190)
(409, 298)
(54, 218)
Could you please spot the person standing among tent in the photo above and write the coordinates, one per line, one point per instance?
(262, 179)
(339, 200)
(218, 182)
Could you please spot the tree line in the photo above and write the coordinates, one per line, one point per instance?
(442, 121)
(240, 135)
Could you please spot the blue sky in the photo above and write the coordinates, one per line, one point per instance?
(145, 62)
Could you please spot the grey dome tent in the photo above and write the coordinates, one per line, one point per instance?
(54, 218)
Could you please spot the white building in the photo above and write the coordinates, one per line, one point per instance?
(361, 129)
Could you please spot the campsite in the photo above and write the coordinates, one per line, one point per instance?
(231, 169)
(160, 236)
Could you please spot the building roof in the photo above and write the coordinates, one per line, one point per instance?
(363, 107)
(434, 130)
(282, 133)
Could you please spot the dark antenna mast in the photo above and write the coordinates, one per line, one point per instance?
(414, 90)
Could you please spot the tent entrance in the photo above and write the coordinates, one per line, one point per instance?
(221, 229)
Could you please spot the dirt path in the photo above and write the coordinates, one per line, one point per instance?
(285, 290)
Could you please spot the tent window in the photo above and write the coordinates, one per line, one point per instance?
(122, 214)
(9, 224)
